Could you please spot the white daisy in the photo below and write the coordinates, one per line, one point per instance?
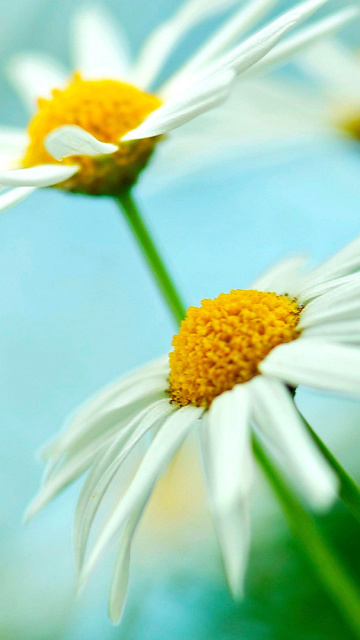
(235, 365)
(336, 70)
(95, 133)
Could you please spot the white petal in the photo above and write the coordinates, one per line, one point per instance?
(158, 456)
(119, 584)
(317, 364)
(73, 467)
(283, 278)
(34, 76)
(12, 197)
(166, 37)
(103, 401)
(14, 139)
(342, 303)
(346, 331)
(248, 53)
(237, 25)
(71, 140)
(306, 37)
(335, 67)
(311, 293)
(341, 264)
(210, 88)
(227, 458)
(123, 407)
(278, 419)
(101, 475)
(190, 104)
(100, 47)
(43, 175)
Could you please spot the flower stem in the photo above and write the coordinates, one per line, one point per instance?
(339, 585)
(349, 491)
(152, 255)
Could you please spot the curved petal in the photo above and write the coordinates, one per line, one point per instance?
(120, 581)
(283, 278)
(84, 426)
(163, 40)
(342, 303)
(228, 465)
(100, 48)
(276, 415)
(103, 401)
(34, 76)
(12, 197)
(336, 67)
(71, 140)
(343, 263)
(236, 26)
(43, 175)
(204, 91)
(13, 138)
(306, 37)
(158, 456)
(100, 477)
(190, 104)
(315, 363)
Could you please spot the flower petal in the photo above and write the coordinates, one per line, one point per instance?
(306, 37)
(100, 49)
(336, 67)
(315, 363)
(233, 28)
(71, 140)
(12, 197)
(343, 263)
(283, 278)
(43, 175)
(210, 88)
(158, 456)
(191, 103)
(345, 331)
(119, 584)
(110, 461)
(227, 458)
(341, 303)
(34, 76)
(279, 421)
(163, 40)
(79, 430)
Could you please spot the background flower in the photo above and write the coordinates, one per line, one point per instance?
(69, 314)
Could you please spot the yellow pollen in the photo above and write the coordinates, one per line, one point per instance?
(221, 343)
(108, 109)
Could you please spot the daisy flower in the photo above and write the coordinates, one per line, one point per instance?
(235, 365)
(95, 132)
(336, 70)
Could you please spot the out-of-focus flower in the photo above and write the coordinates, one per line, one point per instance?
(336, 70)
(95, 133)
(235, 364)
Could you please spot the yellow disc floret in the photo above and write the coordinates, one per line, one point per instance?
(107, 109)
(221, 343)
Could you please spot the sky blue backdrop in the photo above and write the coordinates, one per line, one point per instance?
(79, 308)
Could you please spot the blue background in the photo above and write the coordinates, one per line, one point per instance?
(79, 308)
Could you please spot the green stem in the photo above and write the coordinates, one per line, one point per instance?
(349, 491)
(314, 546)
(152, 255)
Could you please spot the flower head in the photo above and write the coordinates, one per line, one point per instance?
(95, 133)
(234, 367)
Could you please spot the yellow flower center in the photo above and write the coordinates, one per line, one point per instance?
(107, 109)
(221, 343)
(351, 125)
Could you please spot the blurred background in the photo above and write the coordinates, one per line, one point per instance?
(79, 309)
